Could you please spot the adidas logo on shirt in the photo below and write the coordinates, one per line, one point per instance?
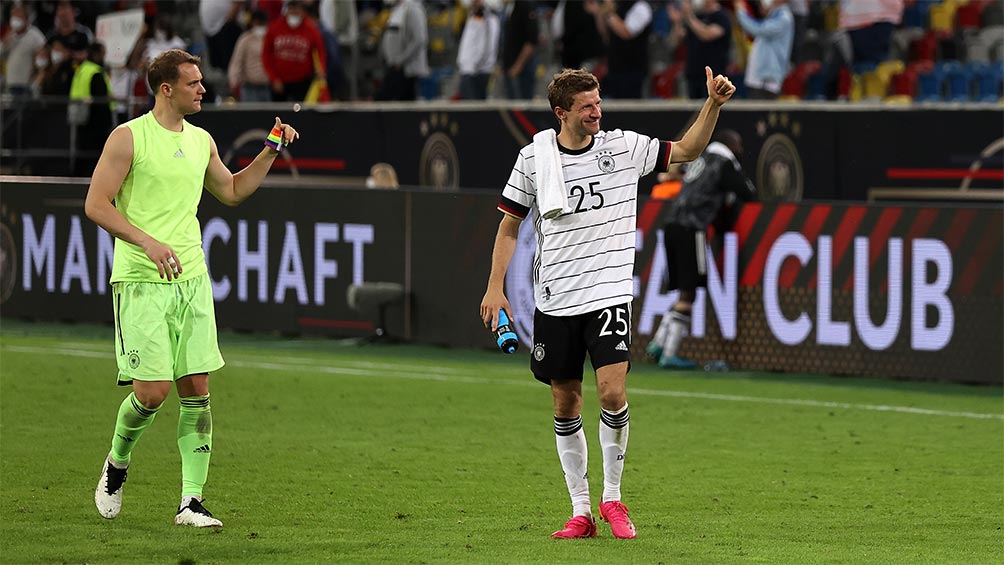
(621, 346)
(203, 449)
(179, 154)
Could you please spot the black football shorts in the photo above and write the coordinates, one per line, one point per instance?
(560, 343)
(686, 257)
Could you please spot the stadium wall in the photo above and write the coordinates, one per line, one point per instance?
(900, 291)
(794, 152)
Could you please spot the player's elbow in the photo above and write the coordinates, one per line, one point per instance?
(92, 208)
(231, 200)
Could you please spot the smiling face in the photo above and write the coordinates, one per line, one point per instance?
(583, 118)
(185, 93)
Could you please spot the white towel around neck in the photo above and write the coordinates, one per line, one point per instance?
(551, 198)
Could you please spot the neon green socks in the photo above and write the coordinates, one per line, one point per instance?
(195, 442)
(132, 421)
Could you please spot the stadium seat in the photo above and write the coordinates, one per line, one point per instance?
(900, 41)
(951, 47)
(993, 14)
(845, 84)
(795, 83)
(903, 84)
(970, 16)
(929, 82)
(875, 83)
(916, 15)
(429, 86)
(942, 17)
(665, 84)
(988, 79)
(976, 47)
(993, 38)
(925, 47)
(956, 79)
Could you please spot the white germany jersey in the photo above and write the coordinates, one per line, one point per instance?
(585, 259)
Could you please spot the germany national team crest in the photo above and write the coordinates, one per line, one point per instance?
(439, 165)
(606, 163)
(538, 352)
(134, 361)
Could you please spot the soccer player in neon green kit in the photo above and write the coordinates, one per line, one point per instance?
(145, 191)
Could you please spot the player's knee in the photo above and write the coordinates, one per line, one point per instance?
(151, 394)
(613, 399)
(151, 399)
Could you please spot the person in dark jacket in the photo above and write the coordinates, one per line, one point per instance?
(710, 180)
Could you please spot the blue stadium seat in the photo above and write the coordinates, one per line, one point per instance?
(917, 14)
(957, 79)
(815, 87)
(929, 85)
(866, 67)
(988, 79)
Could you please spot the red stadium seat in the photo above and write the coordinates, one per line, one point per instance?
(970, 15)
(925, 47)
(664, 84)
(795, 83)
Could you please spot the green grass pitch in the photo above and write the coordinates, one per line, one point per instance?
(403, 454)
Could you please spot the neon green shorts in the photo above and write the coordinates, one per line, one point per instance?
(165, 331)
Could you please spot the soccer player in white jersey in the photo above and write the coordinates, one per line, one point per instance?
(583, 274)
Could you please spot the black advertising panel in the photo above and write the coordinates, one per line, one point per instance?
(793, 152)
(901, 291)
(281, 261)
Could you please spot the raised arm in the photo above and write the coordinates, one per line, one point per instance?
(110, 172)
(505, 246)
(233, 188)
(690, 146)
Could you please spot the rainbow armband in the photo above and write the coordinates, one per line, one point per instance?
(274, 140)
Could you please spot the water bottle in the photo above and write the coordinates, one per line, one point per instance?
(505, 335)
(717, 366)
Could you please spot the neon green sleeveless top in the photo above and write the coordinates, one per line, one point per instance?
(160, 196)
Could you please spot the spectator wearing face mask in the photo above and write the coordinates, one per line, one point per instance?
(158, 36)
(246, 73)
(74, 36)
(293, 54)
(56, 69)
(772, 36)
(18, 50)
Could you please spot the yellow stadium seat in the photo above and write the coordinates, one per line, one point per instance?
(943, 17)
(898, 100)
(857, 88)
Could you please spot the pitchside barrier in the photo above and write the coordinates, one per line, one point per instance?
(901, 291)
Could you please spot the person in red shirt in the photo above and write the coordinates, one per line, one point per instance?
(293, 53)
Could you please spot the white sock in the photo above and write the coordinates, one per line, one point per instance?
(574, 457)
(679, 328)
(613, 441)
(660, 332)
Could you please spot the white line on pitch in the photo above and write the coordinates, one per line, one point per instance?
(390, 370)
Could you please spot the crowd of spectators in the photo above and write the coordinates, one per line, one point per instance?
(320, 50)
